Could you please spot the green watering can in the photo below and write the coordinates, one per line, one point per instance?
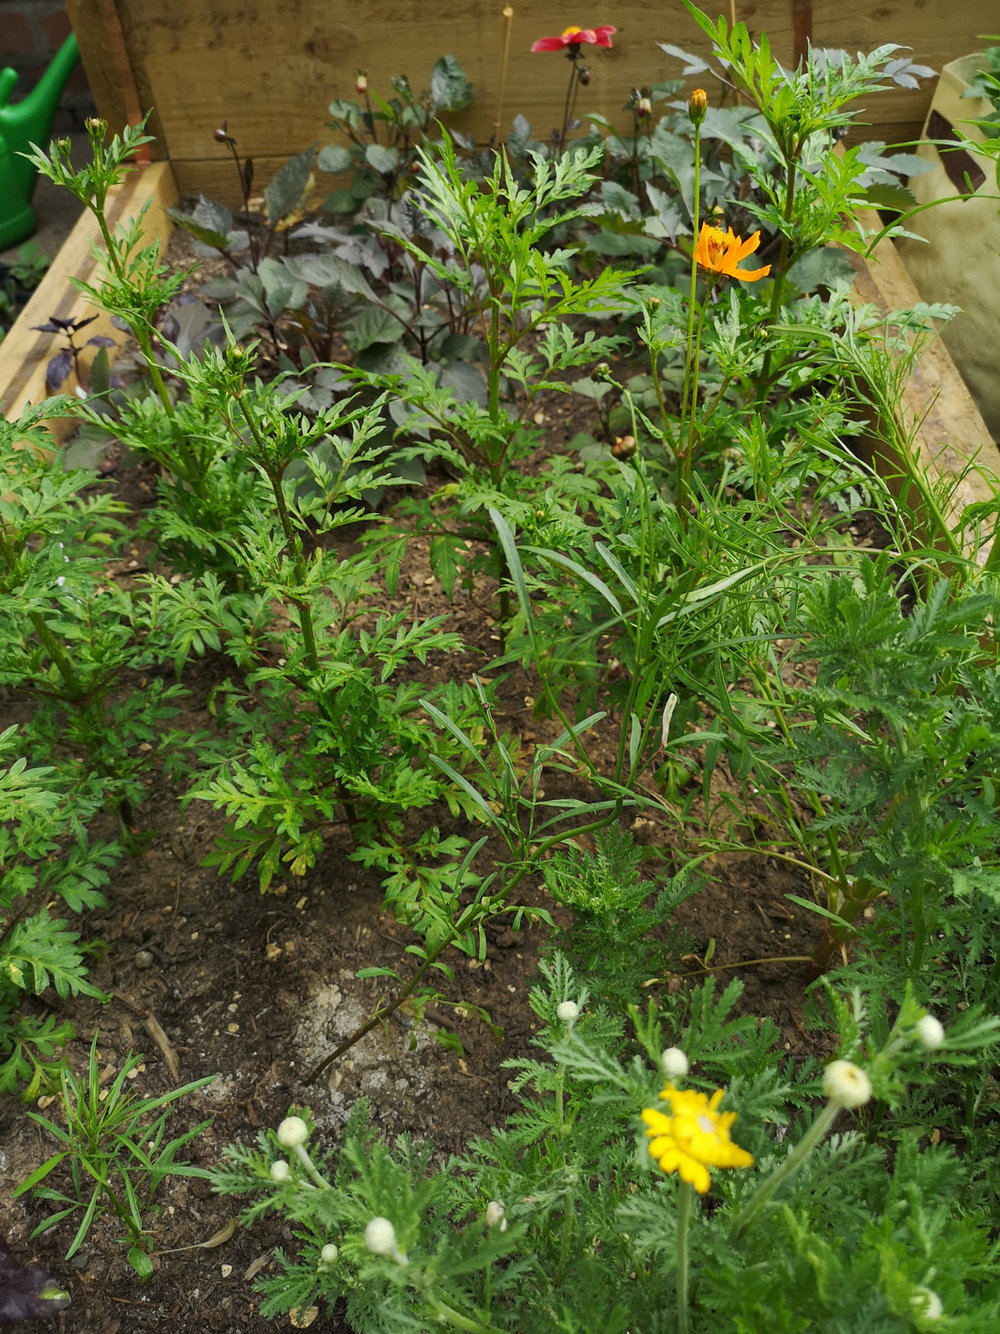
(25, 123)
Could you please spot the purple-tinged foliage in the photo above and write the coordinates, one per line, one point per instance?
(26, 1291)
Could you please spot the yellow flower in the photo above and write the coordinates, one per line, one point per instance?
(721, 252)
(693, 1137)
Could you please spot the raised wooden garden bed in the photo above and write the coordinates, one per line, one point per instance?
(25, 353)
(272, 73)
(950, 433)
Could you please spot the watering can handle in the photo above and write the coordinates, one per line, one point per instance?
(8, 78)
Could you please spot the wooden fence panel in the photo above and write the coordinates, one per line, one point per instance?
(272, 69)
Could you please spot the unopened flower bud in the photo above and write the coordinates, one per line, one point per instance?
(361, 82)
(583, 74)
(926, 1304)
(280, 1172)
(654, 302)
(96, 125)
(495, 1215)
(65, 146)
(930, 1032)
(292, 1132)
(697, 106)
(846, 1084)
(674, 1063)
(329, 1253)
(567, 1012)
(643, 108)
(380, 1238)
(624, 447)
(220, 136)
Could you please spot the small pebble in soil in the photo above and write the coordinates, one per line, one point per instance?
(143, 960)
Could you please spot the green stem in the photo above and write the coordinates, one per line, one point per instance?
(683, 1226)
(293, 545)
(567, 107)
(447, 1315)
(295, 551)
(139, 331)
(681, 497)
(59, 656)
(688, 455)
(643, 601)
(792, 1163)
(778, 272)
(311, 1169)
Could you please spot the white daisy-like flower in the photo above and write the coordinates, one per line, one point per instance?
(846, 1084)
(674, 1063)
(567, 1012)
(292, 1132)
(927, 1304)
(930, 1032)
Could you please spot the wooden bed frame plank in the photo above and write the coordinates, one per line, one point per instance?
(25, 353)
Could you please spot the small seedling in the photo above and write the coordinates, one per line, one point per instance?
(68, 360)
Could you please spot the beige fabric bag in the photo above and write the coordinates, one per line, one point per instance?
(960, 263)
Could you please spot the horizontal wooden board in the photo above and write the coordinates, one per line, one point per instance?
(272, 76)
(271, 72)
(25, 353)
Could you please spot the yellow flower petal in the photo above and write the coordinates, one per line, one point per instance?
(693, 1136)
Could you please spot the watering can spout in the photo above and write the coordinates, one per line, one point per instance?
(21, 125)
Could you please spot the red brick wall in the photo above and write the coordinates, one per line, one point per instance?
(31, 31)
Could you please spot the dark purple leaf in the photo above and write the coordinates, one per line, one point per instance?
(59, 368)
(119, 323)
(82, 324)
(99, 340)
(50, 327)
(26, 1291)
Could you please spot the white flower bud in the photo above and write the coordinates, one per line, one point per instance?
(930, 1032)
(567, 1012)
(380, 1237)
(280, 1171)
(846, 1084)
(328, 1254)
(674, 1063)
(292, 1132)
(495, 1215)
(926, 1304)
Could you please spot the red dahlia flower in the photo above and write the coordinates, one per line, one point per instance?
(576, 37)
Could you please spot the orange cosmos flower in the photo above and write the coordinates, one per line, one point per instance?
(600, 36)
(721, 252)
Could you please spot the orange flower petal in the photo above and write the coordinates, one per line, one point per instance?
(720, 252)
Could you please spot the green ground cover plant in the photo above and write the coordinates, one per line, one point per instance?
(709, 647)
